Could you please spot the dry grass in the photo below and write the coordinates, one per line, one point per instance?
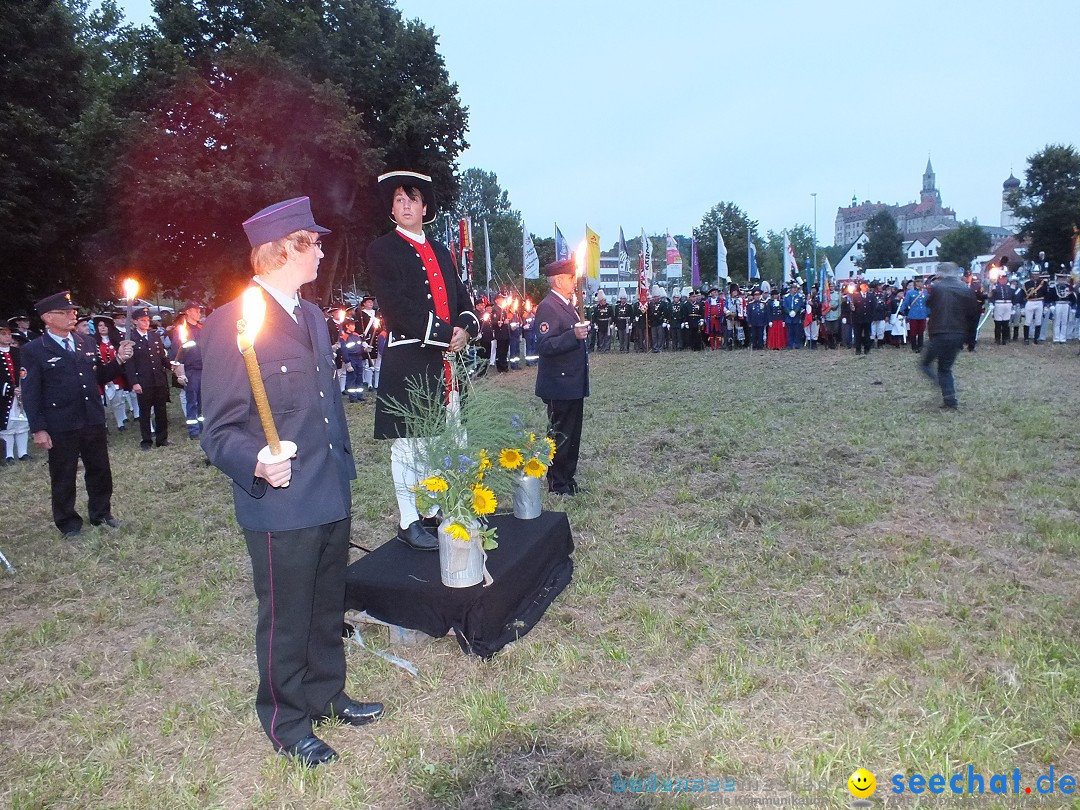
(788, 565)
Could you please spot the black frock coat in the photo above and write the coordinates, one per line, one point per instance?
(415, 337)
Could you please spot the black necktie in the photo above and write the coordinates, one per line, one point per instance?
(296, 313)
(67, 345)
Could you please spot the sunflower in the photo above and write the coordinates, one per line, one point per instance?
(535, 468)
(435, 483)
(485, 462)
(551, 448)
(484, 502)
(510, 458)
(458, 532)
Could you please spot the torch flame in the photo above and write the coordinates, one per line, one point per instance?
(254, 312)
(994, 273)
(851, 289)
(374, 325)
(131, 289)
(181, 331)
(579, 259)
(528, 305)
(340, 318)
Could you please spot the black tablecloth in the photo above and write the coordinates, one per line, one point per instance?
(531, 566)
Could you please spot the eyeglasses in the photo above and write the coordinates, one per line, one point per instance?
(313, 243)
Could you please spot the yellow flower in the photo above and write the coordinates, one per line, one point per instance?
(510, 458)
(458, 532)
(435, 484)
(485, 462)
(534, 468)
(532, 438)
(551, 449)
(484, 502)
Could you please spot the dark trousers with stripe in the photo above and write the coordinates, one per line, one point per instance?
(564, 426)
(299, 579)
(91, 444)
(156, 397)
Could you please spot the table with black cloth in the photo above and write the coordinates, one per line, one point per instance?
(401, 586)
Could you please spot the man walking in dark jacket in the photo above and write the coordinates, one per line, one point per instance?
(954, 311)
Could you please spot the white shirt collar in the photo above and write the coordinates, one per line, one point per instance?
(564, 300)
(288, 304)
(416, 237)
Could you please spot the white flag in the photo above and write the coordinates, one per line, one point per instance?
(791, 266)
(487, 254)
(721, 257)
(646, 250)
(529, 260)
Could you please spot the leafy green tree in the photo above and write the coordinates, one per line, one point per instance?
(42, 95)
(802, 244)
(964, 243)
(884, 246)
(1048, 202)
(733, 224)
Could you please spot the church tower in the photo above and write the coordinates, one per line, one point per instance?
(1008, 216)
(930, 193)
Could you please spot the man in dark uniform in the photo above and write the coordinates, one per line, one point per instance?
(21, 332)
(695, 317)
(428, 314)
(755, 320)
(61, 372)
(641, 326)
(863, 307)
(296, 517)
(975, 285)
(602, 317)
(659, 319)
(501, 317)
(187, 352)
(148, 374)
(794, 316)
(623, 316)
(562, 377)
(1034, 294)
(1001, 300)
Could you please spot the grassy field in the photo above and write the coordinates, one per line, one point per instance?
(788, 565)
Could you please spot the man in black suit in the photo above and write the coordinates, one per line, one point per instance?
(148, 375)
(428, 315)
(61, 372)
(562, 376)
(295, 512)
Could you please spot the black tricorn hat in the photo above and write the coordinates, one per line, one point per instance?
(392, 181)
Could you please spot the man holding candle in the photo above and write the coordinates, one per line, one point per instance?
(562, 376)
(295, 511)
(428, 314)
(60, 374)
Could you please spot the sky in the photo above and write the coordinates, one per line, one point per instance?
(646, 115)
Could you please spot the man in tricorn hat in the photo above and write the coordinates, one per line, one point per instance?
(562, 376)
(61, 372)
(428, 314)
(296, 517)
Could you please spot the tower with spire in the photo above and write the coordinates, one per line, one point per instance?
(1008, 216)
(930, 194)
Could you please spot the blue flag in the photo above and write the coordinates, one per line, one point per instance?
(562, 248)
(753, 262)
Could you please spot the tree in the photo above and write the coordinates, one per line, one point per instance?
(42, 95)
(884, 246)
(483, 200)
(802, 245)
(964, 243)
(734, 225)
(1048, 202)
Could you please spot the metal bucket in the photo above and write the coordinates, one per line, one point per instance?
(527, 497)
(461, 562)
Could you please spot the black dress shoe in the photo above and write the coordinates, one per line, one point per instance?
(415, 537)
(165, 443)
(70, 533)
(145, 445)
(110, 521)
(354, 713)
(310, 751)
(431, 525)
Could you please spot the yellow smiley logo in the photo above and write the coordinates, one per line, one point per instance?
(862, 784)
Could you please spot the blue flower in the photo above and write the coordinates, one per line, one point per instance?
(447, 462)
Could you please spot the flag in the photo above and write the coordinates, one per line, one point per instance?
(644, 262)
(562, 247)
(674, 260)
(487, 254)
(791, 266)
(529, 260)
(624, 257)
(721, 258)
(465, 245)
(754, 274)
(695, 270)
(592, 259)
(826, 291)
(646, 251)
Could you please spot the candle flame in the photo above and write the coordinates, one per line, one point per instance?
(131, 289)
(254, 312)
(181, 330)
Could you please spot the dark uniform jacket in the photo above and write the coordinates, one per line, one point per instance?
(297, 368)
(60, 388)
(190, 356)
(563, 370)
(149, 364)
(416, 338)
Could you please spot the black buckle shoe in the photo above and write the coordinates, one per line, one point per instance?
(414, 536)
(354, 713)
(310, 752)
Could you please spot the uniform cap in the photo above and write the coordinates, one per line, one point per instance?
(58, 301)
(565, 267)
(281, 219)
